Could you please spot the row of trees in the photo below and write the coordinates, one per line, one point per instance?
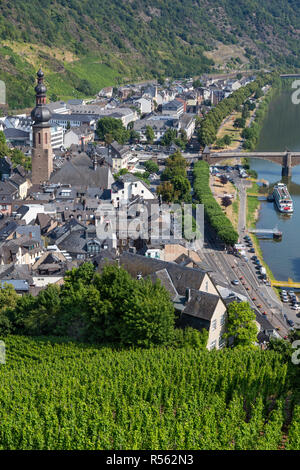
(175, 186)
(209, 126)
(213, 212)
(251, 134)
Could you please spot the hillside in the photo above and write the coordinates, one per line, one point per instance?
(86, 44)
(59, 395)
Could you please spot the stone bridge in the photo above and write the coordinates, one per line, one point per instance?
(286, 159)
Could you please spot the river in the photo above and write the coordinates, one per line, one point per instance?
(281, 130)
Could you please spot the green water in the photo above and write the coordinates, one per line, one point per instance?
(281, 131)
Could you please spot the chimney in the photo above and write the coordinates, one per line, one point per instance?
(188, 295)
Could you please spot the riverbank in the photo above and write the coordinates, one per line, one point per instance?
(251, 141)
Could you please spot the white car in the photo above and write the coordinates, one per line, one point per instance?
(295, 307)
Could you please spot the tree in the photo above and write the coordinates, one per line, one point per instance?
(176, 164)
(239, 123)
(227, 139)
(18, 158)
(8, 302)
(151, 166)
(219, 143)
(197, 83)
(241, 326)
(112, 127)
(182, 187)
(281, 346)
(226, 201)
(169, 137)
(150, 136)
(131, 311)
(2, 138)
(259, 93)
(189, 337)
(134, 136)
(166, 191)
(223, 179)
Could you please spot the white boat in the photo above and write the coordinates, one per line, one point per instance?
(283, 199)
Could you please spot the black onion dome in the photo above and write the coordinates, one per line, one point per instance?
(40, 73)
(40, 89)
(40, 114)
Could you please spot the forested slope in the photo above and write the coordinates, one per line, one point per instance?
(86, 44)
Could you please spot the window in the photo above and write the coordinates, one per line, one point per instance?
(213, 344)
(39, 137)
(214, 325)
(221, 342)
(223, 318)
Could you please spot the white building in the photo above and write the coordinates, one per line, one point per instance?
(57, 137)
(128, 186)
(145, 105)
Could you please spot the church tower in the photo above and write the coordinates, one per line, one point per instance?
(42, 156)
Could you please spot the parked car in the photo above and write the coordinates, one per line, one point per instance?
(235, 282)
(291, 323)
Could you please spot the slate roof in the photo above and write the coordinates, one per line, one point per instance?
(15, 271)
(43, 220)
(8, 229)
(73, 117)
(201, 304)
(17, 179)
(119, 150)
(79, 172)
(58, 232)
(172, 105)
(166, 281)
(18, 285)
(12, 133)
(156, 124)
(75, 242)
(181, 277)
(34, 230)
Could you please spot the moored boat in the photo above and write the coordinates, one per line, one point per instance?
(283, 199)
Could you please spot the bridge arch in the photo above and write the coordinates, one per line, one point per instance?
(287, 160)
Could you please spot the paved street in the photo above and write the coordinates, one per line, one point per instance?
(228, 267)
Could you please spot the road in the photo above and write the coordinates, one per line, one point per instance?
(227, 267)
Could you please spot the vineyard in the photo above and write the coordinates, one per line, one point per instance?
(59, 395)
